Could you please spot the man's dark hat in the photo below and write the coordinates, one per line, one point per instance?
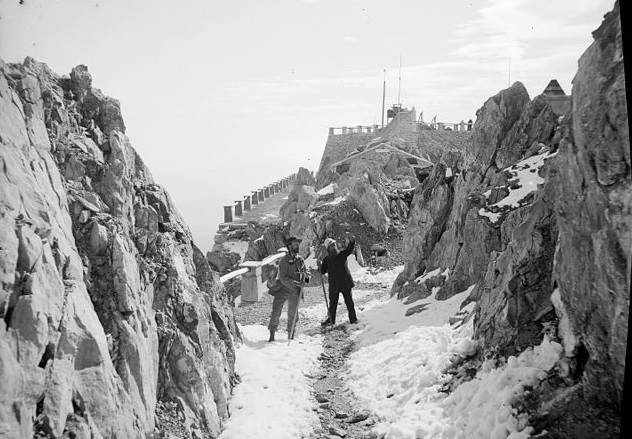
(291, 240)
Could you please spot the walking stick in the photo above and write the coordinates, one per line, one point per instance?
(293, 328)
(322, 282)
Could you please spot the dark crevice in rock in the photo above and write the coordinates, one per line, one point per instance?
(49, 354)
(580, 360)
(41, 423)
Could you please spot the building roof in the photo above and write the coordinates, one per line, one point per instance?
(554, 89)
(421, 161)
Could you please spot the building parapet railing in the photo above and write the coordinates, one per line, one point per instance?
(359, 129)
(450, 126)
(257, 197)
(252, 287)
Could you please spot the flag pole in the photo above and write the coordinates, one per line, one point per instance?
(383, 97)
(399, 91)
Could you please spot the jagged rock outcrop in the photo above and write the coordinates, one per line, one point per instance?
(594, 211)
(305, 178)
(364, 189)
(107, 304)
(445, 229)
(536, 212)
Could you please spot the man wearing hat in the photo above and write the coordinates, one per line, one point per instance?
(340, 280)
(293, 276)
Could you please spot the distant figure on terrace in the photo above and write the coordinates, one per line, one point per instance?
(292, 278)
(340, 281)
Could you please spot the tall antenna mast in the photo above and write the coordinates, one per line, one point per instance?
(509, 72)
(383, 97)
(399, 92)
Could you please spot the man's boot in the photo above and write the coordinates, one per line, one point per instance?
(271, 339)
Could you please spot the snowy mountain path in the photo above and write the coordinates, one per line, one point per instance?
(403, 371)
(339, 410)
(323, 352)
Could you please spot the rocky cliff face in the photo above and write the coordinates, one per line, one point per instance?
(108, 306)
(536, 213)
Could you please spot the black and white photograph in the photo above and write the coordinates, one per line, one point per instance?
(314, 219)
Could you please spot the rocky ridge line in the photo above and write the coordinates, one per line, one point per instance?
(536, 212)
(108, 306)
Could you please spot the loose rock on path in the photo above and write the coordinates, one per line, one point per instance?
(341, 415)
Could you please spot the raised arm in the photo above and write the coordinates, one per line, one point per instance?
(349, 249)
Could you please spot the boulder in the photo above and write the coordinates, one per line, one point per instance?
(307, 198)
(223, 261)
(371, 205)
(98, 238)
(398, 165)
(305, 177)
(413, 291)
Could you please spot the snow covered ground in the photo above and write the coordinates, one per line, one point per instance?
(273, 400)
(369, 275)
(396, 370)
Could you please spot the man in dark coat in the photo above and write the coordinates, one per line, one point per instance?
(340, 280)
(292, 276)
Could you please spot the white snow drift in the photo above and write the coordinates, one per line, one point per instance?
(398, 372)
(273, 400)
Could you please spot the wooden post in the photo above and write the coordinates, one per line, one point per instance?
(238, 209)
(247, 202)
(255, 197)
(228, 214)
(252, 287)
(261, 196)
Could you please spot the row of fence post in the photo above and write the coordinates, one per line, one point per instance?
(257, 197)
(333, 131)
(460, 126)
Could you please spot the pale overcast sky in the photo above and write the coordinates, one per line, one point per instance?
(223, 97)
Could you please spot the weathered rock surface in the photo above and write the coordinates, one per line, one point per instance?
(305, 178)
(107, 305)
(559, 257)
(364, 189)
(223, 261)
(594, 211)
